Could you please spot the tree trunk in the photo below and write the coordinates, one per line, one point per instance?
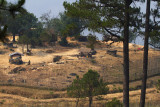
(14, 37)
(77, 102)
(23, 49)
(27, 47)
(126, 56)
(90, 101)
(145, 57)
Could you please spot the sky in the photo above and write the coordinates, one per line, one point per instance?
(39, 7)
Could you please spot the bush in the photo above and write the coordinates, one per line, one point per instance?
(63, 41)
(82, 39)
(114, 103)
(158, 85)
(99, 98)
(93, 61)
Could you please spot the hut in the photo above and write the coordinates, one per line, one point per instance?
(15, 58)
(85, 52)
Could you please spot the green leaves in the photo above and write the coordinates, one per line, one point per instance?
(3, 34)
(92, 40)
(13, 9)
(89, 85)
(103, 16)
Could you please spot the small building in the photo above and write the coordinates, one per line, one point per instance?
(85, 52)
(15, 58)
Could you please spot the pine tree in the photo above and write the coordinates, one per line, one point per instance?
(88, 86)
(110, 17)
(13, 9)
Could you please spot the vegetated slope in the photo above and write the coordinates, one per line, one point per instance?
(152, 97)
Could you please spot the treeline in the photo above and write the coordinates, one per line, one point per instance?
(39, 32)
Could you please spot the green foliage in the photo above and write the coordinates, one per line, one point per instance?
(51, 92)
(4, 10)
(75, 90)
(92, 40)
(120, 89)
(154, 38)
(81, 38)
(45, 37)
(158, 85)
(63, 41)
(23, 39)
(88, 86)
(93, 61)
(114, 103)
(62, 25)
(99, 98)
(22, 23)
(106, 17)
(93, 85)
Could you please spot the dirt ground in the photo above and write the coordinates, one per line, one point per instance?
(43, 72)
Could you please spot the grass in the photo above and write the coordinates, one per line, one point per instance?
(30, 93)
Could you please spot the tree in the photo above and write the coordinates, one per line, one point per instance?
(62, 26)
(92, 40)
(109, 17)
(151, 31)
(154, 38)
(90, 85)
(75, 90)
(21, 24)
(49, 26)
(13, 9)
(93, 85)
(126, 55)
(23, 40)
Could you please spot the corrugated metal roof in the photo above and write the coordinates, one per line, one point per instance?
(16, 53)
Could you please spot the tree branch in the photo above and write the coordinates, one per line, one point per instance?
(112, 34)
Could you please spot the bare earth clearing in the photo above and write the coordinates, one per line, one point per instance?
(43, 73)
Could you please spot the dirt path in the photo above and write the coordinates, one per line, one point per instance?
(36, 58)
(49, 57)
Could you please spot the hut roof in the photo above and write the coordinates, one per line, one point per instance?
(16, 53)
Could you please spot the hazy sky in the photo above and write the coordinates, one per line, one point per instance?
(38, 7)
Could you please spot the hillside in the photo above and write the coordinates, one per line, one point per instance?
(43, 73)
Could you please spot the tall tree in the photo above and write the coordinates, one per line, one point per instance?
(151, 31)
(110, 17)
(13, 9)
(62, 26)
(21, 23)
(126, 56)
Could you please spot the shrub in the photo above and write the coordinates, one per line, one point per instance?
(92, 40)
(51, 92)
(63, 41)
(120, 89)
(93, 61)
(158, 85)
(99, 98)
(82, 38)
(114, 103)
